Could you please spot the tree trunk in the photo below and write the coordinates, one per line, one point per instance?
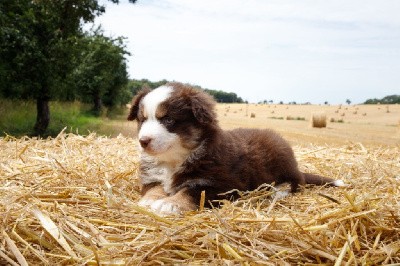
(97, 105)
(43, 115)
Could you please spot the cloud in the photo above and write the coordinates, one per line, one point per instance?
(280, 50)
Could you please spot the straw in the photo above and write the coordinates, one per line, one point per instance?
(73, 200)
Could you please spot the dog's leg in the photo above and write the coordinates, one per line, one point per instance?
(151, 193)
(175, 204)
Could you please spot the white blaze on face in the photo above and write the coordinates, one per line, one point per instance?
(153, 99)
(161, 139)
(164, 144)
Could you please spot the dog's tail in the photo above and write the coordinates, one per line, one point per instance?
(321, 180)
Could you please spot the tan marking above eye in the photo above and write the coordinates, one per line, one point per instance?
(161, 112)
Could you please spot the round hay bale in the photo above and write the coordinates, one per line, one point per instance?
(319, 120)
(252, 115)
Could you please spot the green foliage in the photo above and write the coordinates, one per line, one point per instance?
(391, 99)
(39, 44)
(224, 97)
(266, 102)
(101, 76)
(136, 85)
(219, 96)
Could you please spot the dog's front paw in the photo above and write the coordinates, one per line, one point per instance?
(166, 207)
(145, 202)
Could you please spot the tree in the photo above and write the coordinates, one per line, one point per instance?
(100, 76)
(224, 97)
(136, 85)
(38, 40)
(219, 96)
(348, 101)
(390, 99)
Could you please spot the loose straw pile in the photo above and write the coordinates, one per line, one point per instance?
(73, 200)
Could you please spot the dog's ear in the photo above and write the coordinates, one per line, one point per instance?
(135, 103)
(203, 108)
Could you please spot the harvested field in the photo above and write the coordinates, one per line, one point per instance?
(376, 127)
(72, 200)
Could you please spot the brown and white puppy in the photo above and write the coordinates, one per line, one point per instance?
(184, 151)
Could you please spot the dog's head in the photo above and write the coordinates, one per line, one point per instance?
(172, 119)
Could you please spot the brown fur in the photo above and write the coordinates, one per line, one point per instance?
(133, 113)
(153, 192)
(220, 161)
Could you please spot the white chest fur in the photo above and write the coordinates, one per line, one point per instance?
(153, 171)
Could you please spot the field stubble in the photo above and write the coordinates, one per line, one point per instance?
(368, 124)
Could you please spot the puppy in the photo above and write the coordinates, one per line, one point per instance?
(185, 152)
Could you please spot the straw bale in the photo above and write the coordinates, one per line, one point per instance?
(73, 200)
(318, 120)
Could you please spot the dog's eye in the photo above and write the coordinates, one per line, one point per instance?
(168, 121)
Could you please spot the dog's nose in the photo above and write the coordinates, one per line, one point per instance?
(145, 141)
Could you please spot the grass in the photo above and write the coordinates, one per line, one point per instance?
(276, 117)
(333, 120)
(296, 118)
(17, 118)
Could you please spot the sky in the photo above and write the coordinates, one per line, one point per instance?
(281, 50)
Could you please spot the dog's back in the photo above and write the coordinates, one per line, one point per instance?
(263, 157)
(242, 159)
